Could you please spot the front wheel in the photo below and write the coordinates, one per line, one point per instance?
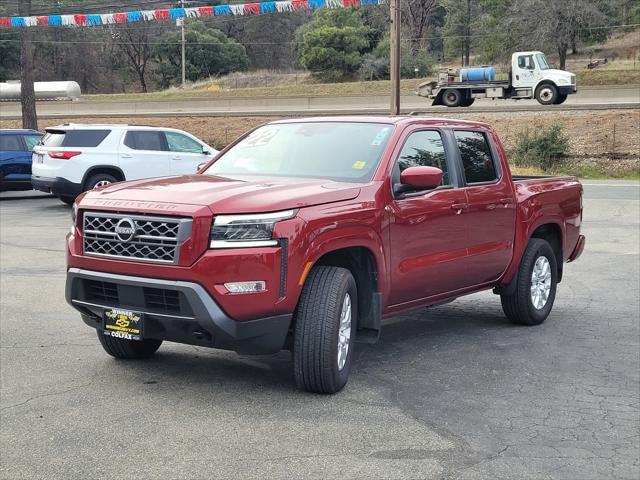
(128, 349)
(69, 200)
(547, 94)
(325, 327)
(532, 300)
(561, 98)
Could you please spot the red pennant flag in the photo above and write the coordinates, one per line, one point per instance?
(206, 11)
(300, 4)
(251, 8)
(42, 20)
(120, 17)
(6, 21)
(162, 14)
(80, 19)
(351, 3)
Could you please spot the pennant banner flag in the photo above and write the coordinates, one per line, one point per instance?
(255, 8)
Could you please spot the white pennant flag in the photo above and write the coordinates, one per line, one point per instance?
(107, 18)
(68, 20)
(285, 6)
(237, 9)
(192, 12)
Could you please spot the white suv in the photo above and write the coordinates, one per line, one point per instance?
(73, 158)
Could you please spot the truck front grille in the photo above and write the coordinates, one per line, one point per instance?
(139, 238)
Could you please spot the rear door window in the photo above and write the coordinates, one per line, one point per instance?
(178, 142)
(74, 138)
(11, 143)
(146, 140)
(425, 149)
(477, 160)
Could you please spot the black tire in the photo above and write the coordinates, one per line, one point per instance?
(561, 98)
(518, 306)
(452, 97)
(68, 199)
(317, 322)
(93, 180)
(467, 102)
(547, 94)
(128, 349)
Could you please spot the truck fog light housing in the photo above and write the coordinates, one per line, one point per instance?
(246, 287)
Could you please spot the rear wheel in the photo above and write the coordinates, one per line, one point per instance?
(452, 97)
(467, 102)
(68, 199)
(532, 300)
(128, 349)
(99, 180)
(547, 94)
(326, 322)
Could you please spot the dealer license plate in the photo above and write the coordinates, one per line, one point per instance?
(122, 323)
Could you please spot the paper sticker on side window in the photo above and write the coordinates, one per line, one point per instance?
(379, 138)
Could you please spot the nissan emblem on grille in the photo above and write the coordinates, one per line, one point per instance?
(125, 230)
(141, 238)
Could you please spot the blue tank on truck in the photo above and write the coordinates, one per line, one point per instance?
(478, 74)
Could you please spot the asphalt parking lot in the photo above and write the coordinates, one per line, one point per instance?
(450, 392)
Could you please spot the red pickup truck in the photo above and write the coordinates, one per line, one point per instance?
(304, 234)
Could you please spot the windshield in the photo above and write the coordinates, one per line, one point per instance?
(542, 61)
(340, 151)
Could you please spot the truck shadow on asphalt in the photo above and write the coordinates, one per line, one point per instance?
(435, 332)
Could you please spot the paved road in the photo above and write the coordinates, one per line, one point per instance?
(450, 392)
(587, 98)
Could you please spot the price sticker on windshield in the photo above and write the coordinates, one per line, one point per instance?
(259, 138)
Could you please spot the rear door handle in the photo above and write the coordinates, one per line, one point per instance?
(125, 155)
(506, 201)
(459, 207)
(176, 158)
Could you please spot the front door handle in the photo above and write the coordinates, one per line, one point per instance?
(175, 158)
(459, 207)
(506, 201)
(125, 155)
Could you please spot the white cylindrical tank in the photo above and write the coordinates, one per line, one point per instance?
(43, 90)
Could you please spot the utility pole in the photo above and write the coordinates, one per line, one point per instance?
(183, 46)
(395, 56)
(27, 95)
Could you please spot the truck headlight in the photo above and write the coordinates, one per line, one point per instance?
(250, 230)
(564, 81)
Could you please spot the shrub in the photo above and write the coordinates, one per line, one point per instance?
(544, 147)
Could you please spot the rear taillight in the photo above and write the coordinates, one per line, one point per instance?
(63, 155)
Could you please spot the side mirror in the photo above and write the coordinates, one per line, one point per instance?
(421, 177)
(205, 151)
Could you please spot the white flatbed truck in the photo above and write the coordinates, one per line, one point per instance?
(530, 76)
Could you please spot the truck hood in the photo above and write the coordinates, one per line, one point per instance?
(230, 195)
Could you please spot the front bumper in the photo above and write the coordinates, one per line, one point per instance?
(57, 186)
(177, 311)
(567, 89)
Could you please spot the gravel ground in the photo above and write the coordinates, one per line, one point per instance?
(452, 392)
(591, 133)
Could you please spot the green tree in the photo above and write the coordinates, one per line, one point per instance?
(208, 52)
(376, 64)
(333, 44)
